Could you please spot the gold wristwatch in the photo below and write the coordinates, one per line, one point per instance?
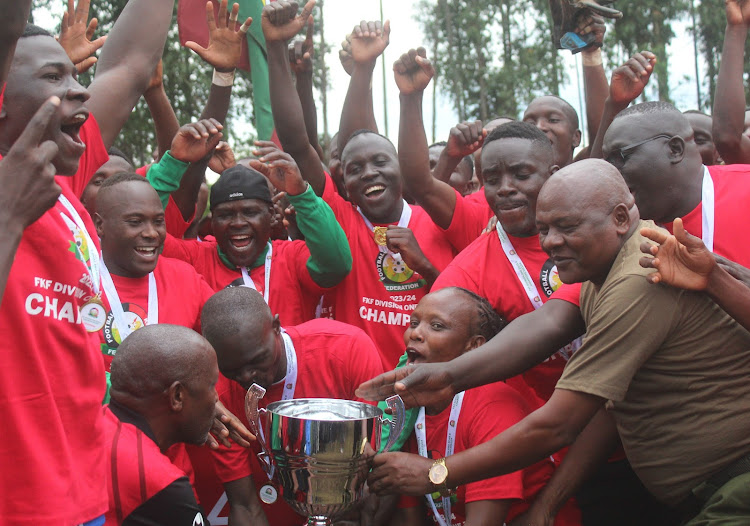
(438, 475)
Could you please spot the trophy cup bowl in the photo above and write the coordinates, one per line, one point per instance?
(317, 450)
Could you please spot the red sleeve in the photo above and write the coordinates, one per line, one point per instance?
(570, 293)
(498, 407)
(455, 276)
(469, 220)
(182, 249)
(94, 157)
(231, 463)
(176, 224)
(143, 170)
(301, 255)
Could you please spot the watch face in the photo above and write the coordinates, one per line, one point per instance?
(438, 473)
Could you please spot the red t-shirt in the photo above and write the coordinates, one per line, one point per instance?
(484, 268)
(731, 212)
(486, 412)
(52, 379)
(380, 294)
(294, 295)
(470, 218)
(181, 292)
(333, 359)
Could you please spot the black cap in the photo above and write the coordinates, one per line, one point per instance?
(239, 182)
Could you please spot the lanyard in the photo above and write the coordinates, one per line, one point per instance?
(115, 304)
(402, 222)
(528, 284)
(248, 280)
(450, 445)
(92, 266)
(707, 200)
(290, 380)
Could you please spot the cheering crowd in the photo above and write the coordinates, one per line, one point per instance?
(569, 329)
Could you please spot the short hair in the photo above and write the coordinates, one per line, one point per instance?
(116, 152)
(228, 311)
(649, 108)
(122, 177)
(32, 30)
(468, 160)
(572, 113)
(520, 130)
(439, 143)
(363, 131)
(490, 322)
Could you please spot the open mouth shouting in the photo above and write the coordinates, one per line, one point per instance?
(240, 241)
(374, 191)
(70, 128)
(414, 356)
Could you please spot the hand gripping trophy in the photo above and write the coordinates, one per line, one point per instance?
(316, 451)
(567, 13)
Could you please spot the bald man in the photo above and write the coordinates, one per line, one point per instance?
(671, 362)
(163, 393)
(654, 147)
(321, 358)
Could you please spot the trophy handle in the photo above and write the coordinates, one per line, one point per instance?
(396, 405)
(254, 394)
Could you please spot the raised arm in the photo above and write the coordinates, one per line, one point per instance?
(12, 24)
(27, 178)
(413, 73)
(126, 63)
(76, 32)
(368, 41)
(594, 79)
(628, 82)
(729, 103)
(281, 24)
(527, 341)
(301, 62)
(162, 113)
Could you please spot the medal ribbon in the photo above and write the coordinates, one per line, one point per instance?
(707, 200)
(528, 284)
(121, 323)
(92, 267)
(248, 280)
(290, 380)
(402, 222)
(420, 430)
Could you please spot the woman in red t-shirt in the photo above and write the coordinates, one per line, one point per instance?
(446, 324)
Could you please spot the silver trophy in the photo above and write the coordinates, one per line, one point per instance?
(317, 450)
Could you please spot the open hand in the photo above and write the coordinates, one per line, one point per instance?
(413, 71)
(629, 80)
(369, 40)
(225, 40)
(280, 21)
(278, 167)
(228, 427)
(27, 175)
(76, 33)
(428, 384)
(196, 140)
(222, 158)
(680, 260)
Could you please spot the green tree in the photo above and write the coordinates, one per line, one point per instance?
(494, 57)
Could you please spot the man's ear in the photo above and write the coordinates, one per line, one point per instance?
(576, 138)
(176, 396)
(98, 222)
(276, 324)
(475, 341)
(621, 218)
(676, 149)
(553, 169)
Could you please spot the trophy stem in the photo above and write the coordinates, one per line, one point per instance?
(318, 521)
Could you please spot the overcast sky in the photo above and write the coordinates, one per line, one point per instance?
(340, 18)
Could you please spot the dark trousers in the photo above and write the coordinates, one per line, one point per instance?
(616, 497)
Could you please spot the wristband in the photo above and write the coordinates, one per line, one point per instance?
(592, 58)
(223, 78)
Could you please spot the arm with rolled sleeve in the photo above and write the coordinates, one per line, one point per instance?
(165, 176)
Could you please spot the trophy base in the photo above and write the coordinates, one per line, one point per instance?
(318, 521)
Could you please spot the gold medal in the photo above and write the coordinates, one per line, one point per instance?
(380, 235)
(93, 314)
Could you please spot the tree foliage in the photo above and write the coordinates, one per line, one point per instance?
(494, 57)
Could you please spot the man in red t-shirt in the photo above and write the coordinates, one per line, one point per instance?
(397, 250)
(53, 379)
(318, 359)
(291, 275)
(163, 394)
